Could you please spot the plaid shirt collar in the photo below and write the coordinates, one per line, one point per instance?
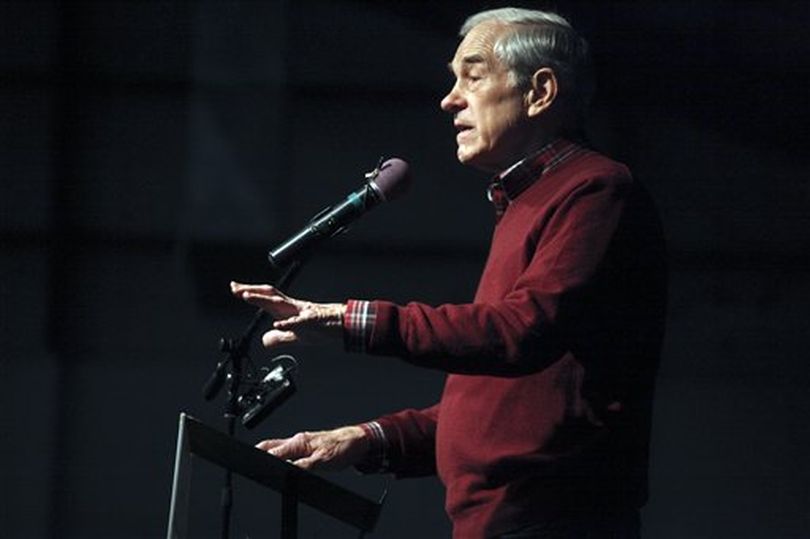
(510, 183)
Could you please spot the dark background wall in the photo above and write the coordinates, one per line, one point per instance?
(152, 151)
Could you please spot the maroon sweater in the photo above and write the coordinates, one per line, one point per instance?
(547, 407)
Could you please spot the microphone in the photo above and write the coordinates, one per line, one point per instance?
(388, 181)
(275, 388)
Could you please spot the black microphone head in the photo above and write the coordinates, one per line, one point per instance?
(393, 180)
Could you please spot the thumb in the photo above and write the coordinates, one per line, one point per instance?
(275, 337)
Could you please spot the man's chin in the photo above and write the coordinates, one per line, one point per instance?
(473, 159)
(466, 157)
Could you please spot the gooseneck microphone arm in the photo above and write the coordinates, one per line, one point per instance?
(386, 182)
(327, 224)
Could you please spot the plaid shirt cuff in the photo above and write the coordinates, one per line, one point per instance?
(358, 322)
(376, 460)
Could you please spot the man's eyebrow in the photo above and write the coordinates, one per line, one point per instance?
(470, 59)
(474, 59)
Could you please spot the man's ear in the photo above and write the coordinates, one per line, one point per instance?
(542, 93)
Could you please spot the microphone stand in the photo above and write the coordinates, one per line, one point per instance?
(236, 351)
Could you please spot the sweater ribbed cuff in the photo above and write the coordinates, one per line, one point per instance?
(376, 460)
(358, 323)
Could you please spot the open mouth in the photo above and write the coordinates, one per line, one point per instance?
(462, 130)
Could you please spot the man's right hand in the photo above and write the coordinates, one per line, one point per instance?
(324, 450)
(296, 321)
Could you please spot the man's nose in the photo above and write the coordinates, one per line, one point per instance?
(453, 101)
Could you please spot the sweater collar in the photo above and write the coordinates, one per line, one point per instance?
(510, 183)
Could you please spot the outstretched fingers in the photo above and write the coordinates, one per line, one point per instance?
(268, 303)
(292, 321)
(268, 298)
(294, 448)
(307, 463)
(239, 288)
(267, 445)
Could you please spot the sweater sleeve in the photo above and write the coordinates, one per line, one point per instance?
(529, 327)
(410, 441)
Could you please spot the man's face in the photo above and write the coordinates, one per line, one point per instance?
(489, 112)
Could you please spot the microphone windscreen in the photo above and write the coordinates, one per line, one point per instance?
(393, 180)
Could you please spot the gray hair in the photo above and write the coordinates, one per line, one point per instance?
(542, 39)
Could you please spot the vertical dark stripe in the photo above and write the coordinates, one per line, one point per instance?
(61, 248)
(283, 189)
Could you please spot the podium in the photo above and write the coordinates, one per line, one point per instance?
(294, 484)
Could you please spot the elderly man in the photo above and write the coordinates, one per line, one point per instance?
(543, 426)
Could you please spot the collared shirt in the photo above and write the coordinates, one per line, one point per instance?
(510, 183)
(358, 322)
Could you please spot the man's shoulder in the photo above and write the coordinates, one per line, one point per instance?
(588, 167)
(591, 165)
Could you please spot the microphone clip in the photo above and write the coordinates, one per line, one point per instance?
(275, 387)
(371, 176)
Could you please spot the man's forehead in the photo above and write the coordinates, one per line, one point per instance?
(477, 46)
